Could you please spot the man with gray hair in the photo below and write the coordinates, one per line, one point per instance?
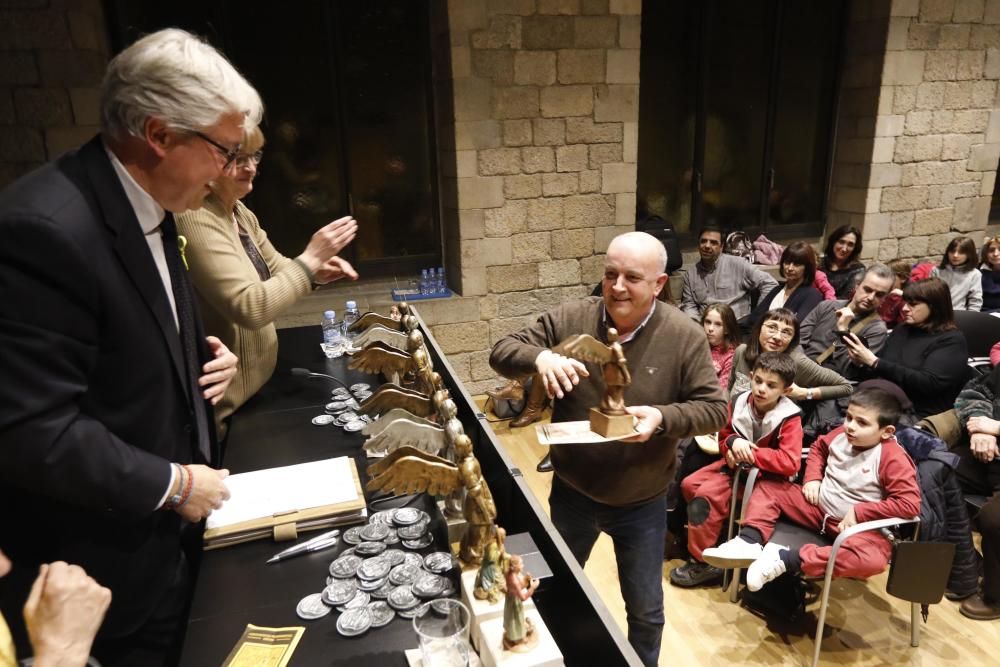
(108, 457)
(821, 334)
(620, 487)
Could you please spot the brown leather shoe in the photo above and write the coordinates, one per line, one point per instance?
(979, 609)
(512, 391)
(534, 406)
(545, 465)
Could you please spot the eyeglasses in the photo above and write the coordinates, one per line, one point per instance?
(228, 153)
(243, 160)
(773, 329)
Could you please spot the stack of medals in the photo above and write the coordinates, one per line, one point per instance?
(341, 410)
(373, 581)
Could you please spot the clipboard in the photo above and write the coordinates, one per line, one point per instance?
(287, 486)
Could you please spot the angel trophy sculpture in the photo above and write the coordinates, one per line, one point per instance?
(369, 319)
(609, 419)
(424, 434)
(381, 334)
(415, 362)
(410, 470)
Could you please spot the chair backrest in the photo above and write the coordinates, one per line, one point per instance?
(981, 331)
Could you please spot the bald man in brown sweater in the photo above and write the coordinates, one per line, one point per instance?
(619, 487)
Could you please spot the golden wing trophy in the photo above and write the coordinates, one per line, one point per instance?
(609, 419)
(410, 368)
(410, 470)
(369, 319)
(414, 432)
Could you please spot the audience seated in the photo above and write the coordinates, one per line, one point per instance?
(779, 332)
(958, 271)
(719, 278)
(854, 474)
(978, 408)
(821, 331)
(990, 270)
(926, 355)
(891, 310)
(764, 429)
(796, 293)
(840, 260)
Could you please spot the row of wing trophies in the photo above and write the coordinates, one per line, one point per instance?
(424, 448)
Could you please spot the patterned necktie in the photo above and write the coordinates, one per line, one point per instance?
(188, 332)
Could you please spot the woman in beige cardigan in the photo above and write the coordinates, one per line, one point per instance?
(242, 282)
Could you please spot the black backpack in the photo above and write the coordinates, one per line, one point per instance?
(664, 231)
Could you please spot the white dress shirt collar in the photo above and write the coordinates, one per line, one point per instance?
(149, 213)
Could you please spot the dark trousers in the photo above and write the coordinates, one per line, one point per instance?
(158, 642)
(983, 479)
(637, 534)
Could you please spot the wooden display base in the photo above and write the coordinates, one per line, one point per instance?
(482, 610)
(544, 654)
(611, 426)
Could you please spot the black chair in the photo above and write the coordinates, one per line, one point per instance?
(981, 331)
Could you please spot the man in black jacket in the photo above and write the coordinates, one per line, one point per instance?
(107, 451)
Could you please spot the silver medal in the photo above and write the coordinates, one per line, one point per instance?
(439, 562)
(403, 574)
(372, 585)
(401, 598)
(354, 622)
(370, 548)
(339, 592)
(311, 607)
(360, 386)
(345, 566)
(374, 568)
(322, 420)
(353, 535)
(429, 586)
(404, 516)
(360, 599)
(374, 532)
(381, 613)
(419, 543)
(412, 531)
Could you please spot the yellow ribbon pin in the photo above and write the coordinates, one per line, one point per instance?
(182, 243)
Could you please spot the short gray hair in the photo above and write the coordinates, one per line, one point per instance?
(880, 270)
(175, 76)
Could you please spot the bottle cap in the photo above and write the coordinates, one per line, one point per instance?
(351, 305)
(330, 315)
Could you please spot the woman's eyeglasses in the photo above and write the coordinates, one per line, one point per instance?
(243, 160)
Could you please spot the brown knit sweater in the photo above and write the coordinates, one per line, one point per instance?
(671, 370)
(235, 304)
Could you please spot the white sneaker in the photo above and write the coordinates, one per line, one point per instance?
(737, 552)
(766, 568)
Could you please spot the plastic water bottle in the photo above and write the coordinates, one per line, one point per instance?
(442, 286)
(425, 282)
(332, 340)
(351, 316)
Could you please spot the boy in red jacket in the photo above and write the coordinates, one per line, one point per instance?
(765, 430)
(855, 473)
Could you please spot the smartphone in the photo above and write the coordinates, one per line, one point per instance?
(844, 334)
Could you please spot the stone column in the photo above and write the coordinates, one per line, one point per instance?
(545, 126)
(933, 142)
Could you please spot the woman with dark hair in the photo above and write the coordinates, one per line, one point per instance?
(797, 294)
(840, 260)
(990, 270)
(778, 331)
(958, 271)
(926, 355)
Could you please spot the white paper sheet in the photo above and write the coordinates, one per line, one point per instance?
(572, 433)
(298, 487)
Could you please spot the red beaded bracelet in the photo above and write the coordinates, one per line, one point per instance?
(188, 486)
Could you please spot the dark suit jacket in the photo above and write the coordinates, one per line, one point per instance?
(92, 401)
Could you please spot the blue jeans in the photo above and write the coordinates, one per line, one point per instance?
(637, 533)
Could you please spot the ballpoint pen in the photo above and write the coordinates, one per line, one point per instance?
(318, 543)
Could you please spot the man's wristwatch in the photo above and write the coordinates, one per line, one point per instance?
(810, 394)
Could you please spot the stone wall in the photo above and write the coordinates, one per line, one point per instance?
(541, 173)
(52, 58)
(918, 131)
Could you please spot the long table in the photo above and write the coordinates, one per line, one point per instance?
(235, 587)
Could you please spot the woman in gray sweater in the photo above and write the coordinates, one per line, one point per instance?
(778, 331)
